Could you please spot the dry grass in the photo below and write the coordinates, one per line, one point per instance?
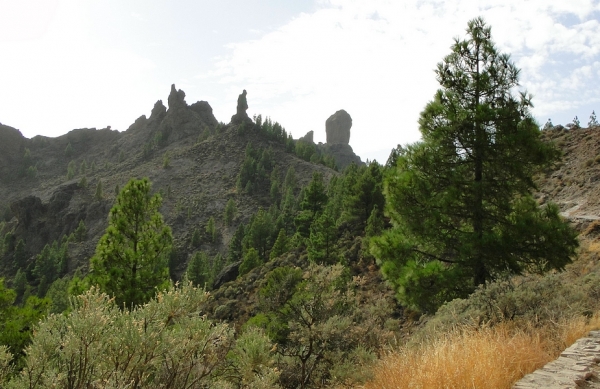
(490, 358)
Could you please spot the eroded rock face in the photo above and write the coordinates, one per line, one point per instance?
(176, 99)
(309, 137)
(338, 127)
(242, 107)
(158, 111)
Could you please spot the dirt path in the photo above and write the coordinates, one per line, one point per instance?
(577, 367)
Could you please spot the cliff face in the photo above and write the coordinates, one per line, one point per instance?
(11, 151)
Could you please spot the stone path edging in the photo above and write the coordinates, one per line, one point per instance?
(572, 369)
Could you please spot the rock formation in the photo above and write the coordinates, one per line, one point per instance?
(176, 99)
(242, 106)
(338, 127)
(309, 137)
(158, 112)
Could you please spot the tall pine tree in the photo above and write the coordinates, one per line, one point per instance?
(132, 256)
(460, 200)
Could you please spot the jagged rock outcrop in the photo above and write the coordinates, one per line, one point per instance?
(178, 122)
(338, 127)
(242, 106)
(309, 137)
(159, 111)
(176, 99)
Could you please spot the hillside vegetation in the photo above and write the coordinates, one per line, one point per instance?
(188, 253)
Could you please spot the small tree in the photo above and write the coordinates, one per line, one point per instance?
(593, 121)
(83, 182)
(196, 238)
(71, 169)
(69, 150)
(280, 246)
(166, 160)
(132, 256)
(211, 229)
(230, 211)
(251, 260)
(198, 270)
(321, 244)
(98, 195)
(83, 167)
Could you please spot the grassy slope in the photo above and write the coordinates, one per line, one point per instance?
(516, 326)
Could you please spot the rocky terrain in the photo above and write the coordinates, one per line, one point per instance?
(574, 183)
(189, 157)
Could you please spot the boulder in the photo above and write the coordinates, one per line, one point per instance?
(229, 273)
(338, 127)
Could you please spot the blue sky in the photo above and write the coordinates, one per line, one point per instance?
(69, 64)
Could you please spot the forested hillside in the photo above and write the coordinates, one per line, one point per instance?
(188, 253)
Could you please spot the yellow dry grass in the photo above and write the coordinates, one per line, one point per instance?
(491, 358)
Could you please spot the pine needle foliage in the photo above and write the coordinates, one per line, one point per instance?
(460, 200)
(131, 257)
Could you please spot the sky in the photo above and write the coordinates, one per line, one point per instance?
(67, 64)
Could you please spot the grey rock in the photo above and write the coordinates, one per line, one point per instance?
(229, 273)
(338, 127)
(242, 106)
(309, 137)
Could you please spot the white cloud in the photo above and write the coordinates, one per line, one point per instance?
(376, 59)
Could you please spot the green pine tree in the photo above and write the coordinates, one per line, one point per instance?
(258, 233)
(98, 195)
(280, 246)
(131, 260)
(460, 200)
(196, 238)
(321, 244)
(311, 205)
(198, 270)
(69, 150)
(230, 211)
(71, 170)
(211, 230)
(251, 260)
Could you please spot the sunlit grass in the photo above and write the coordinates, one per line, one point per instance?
(491, 358)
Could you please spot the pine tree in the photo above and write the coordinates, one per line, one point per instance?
(312, 204)
(69, 150)
(258, 233)
(251, 260)
(321, 244)
(131, 257)
(280, 246)
(236, 247)
(230, 211)
(71, 170)
(460, 200)
(593, 121)
(196, 238)
(211, 230)
(98, 195)
(198, 270)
